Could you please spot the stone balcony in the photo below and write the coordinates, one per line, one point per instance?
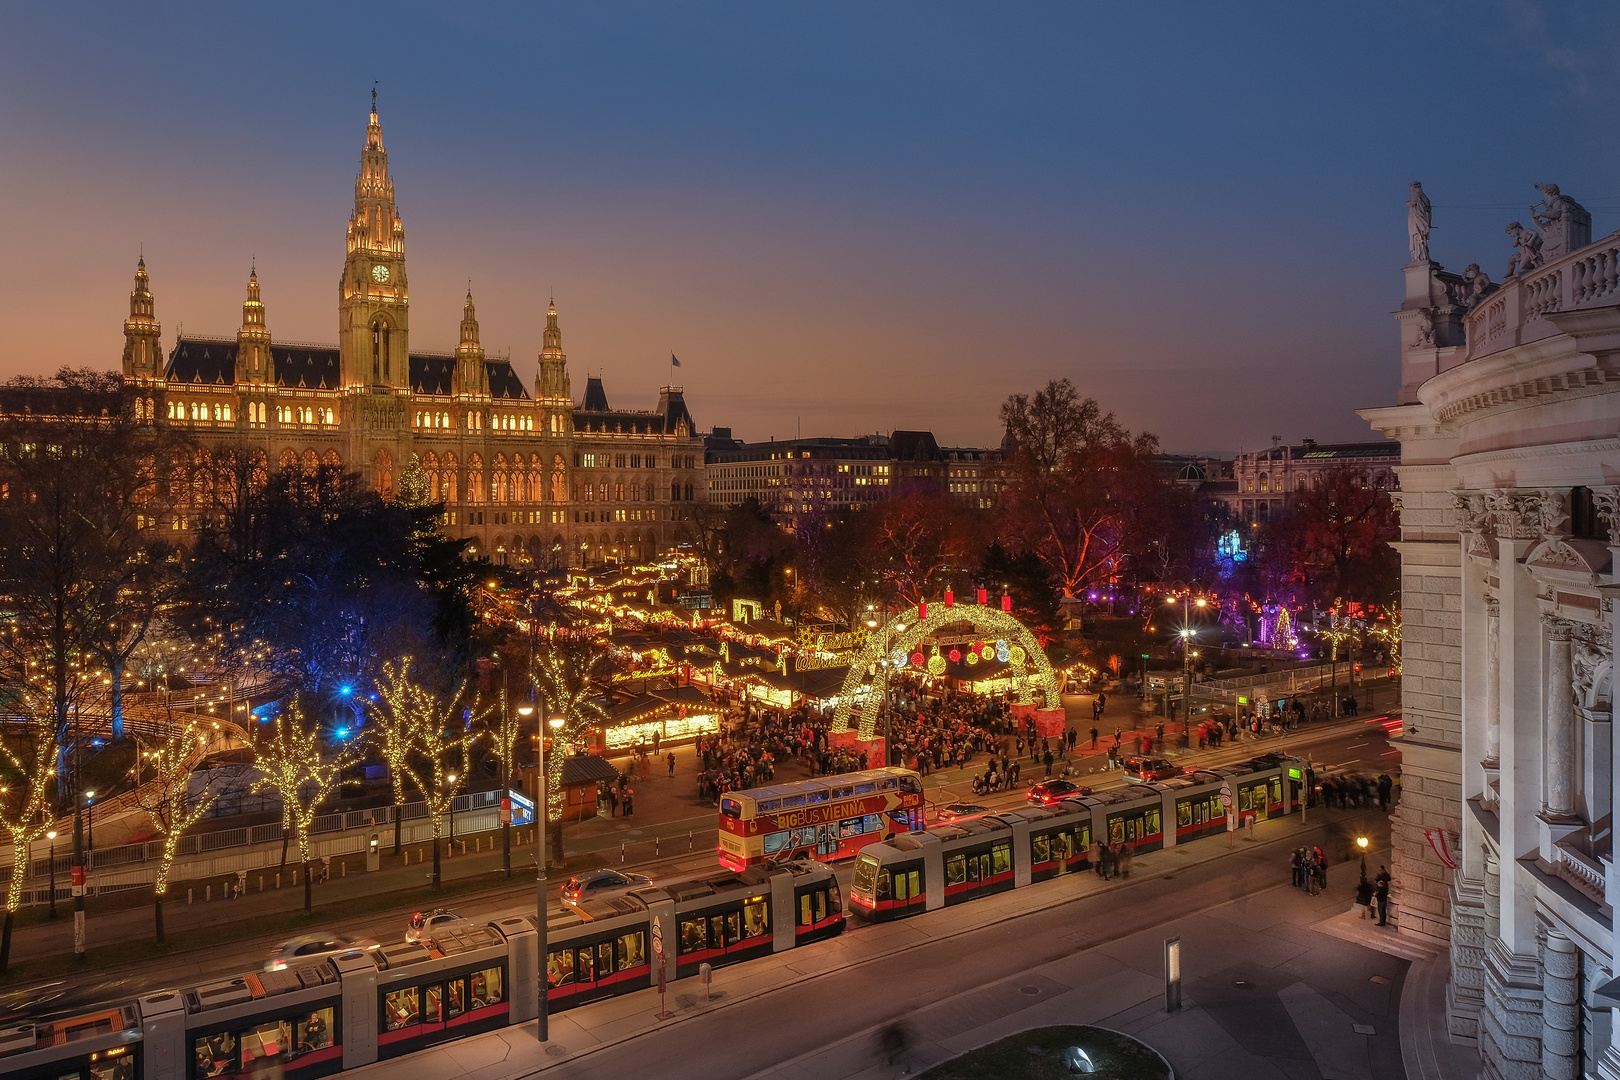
(1516, 313)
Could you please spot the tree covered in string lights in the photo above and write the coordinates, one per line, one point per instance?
(27, 774)
(167, 754)
(565, 670)
(442, 729)
(293, 762)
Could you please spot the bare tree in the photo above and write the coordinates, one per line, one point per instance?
(293, 762)
(28, 768)
(167, 757)
(393, 736)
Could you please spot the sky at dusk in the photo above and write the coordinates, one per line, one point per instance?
(843, 218)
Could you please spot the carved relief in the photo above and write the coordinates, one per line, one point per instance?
(1552, 511)
(1592, 660)
(1607, 501)
(1515, 515)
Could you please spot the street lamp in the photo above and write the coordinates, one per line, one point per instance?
(90, 820)
(525, 711)
(51, 836)
(1361, 846)
(541, 813)
(451, 780)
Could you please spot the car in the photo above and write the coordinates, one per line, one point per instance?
(310, 948)
(1144, 770)
(959, 811)
(1048, 792)
(423, 923)
(592, 884)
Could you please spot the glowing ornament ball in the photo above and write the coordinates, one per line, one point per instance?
(956, 656)
(918, 659)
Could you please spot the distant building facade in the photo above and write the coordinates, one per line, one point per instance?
(803, 480)
(1264, 481)
(531, 479)
(1509, 429)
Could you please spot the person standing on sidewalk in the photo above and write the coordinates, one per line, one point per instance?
(1385, 784)
(1047, 759)
(671, 760)
(629, 800)
(1381, 894)
(1297, 862)
(1094, 737)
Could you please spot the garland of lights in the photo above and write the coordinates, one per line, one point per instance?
(895, 647)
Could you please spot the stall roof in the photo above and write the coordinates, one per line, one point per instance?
(586, 768)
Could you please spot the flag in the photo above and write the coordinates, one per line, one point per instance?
(673, 362)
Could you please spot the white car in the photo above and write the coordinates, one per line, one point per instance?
(593, 884)
(423, 923)
(312, 948)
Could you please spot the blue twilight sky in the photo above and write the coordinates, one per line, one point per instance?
(842, 217)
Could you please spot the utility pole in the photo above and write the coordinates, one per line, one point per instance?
(540, 815)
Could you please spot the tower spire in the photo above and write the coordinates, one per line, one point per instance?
(253, 339)
(373, 298)
(142, 333)
(472, 373)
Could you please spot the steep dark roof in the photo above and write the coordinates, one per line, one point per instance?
(913, 446)
(432, 373)
(672, 409)
(203, 360)
(312, 366)
(595, 396)
(504, 382)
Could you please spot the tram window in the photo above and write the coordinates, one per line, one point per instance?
(401, 1008)
(902, 886)
(455, 997)
(956, 870)
(633, 948)
(1184, 815)
(733, 927)
(756, 919)
(488, 987)
(1152, 823)
(560, 967)
(1001, 858)
(694, 935)
(1276, 790)
(1040, 849)
(585, 965)
(233, 1053)
(118, 1068)
(433, 1004)
(865, 873)
(834, 901)
(806, 918)
(883, 890)
(604, 959)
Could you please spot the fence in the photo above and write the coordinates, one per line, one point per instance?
(130, 866)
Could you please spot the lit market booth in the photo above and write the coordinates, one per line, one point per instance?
(674, 714)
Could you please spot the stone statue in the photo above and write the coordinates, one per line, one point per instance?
(1566, 225)
(1478, 283)
(1526, 249)
(1425, 330)
(1418, 217)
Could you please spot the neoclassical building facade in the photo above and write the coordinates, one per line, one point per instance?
(1509, 425)
(531, 479)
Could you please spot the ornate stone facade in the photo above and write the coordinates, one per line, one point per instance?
(532, 479)
(1508, 416)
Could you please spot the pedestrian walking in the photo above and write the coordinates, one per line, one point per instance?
(629, 801)
(893, 1042)
(1126, 857)
(1047, 759)
(671, 760)
(1118, 736)
(1297, 862)
(1094, 738)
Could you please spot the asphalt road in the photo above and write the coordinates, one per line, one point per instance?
(1350, 745)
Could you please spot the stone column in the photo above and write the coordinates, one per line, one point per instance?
(1560, 1008)
(1465, 991)
(1493, 900)
(1563, 758)
(1493, 689)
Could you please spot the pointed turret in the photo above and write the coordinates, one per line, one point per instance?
(551, 389)
(472, 374)
(373, 301)
(143, 347)
(253, 339)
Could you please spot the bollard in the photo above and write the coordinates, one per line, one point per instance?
(655, 847)
(261, 883)
(278, 879)
(621, 851)
(295, 879)
(188, 896)
(343, 869)
(689, 840)
(208, 893)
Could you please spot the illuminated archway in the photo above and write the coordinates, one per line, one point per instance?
(893, 647)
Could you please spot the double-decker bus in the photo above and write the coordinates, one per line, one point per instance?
(830, 817)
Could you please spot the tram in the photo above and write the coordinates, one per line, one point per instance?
(950, 864)
(360, 1007)
(828, 818)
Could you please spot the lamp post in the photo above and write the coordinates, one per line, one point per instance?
(90, 820)
(451, 780)
(541, 813)
(1361, 846)
(51, 836)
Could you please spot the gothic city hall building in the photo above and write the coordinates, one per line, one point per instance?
(531, 479)
(1509, 425)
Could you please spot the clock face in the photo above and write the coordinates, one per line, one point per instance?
(380, 273)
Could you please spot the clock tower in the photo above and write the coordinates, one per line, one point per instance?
(373, 301)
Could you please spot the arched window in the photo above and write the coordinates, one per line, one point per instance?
(288, 459)
(311, 462)
(379, 350)
(383, 468)
(688, 492)
(331, 460)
